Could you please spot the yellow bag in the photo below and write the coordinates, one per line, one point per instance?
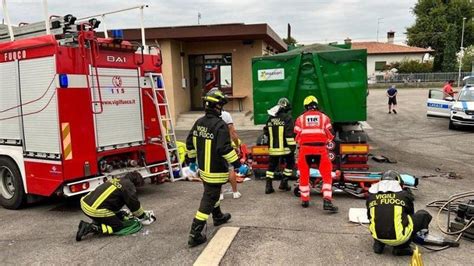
(181, 146)
(416, 258)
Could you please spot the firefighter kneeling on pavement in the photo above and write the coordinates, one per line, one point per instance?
(103, 205)
(391, 214)
(313, 132)
(282, 145)
(209, 143)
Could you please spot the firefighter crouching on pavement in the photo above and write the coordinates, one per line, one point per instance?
(209, 142)
(313, 132)
(391, 214)
(282, 145)
(103, 205)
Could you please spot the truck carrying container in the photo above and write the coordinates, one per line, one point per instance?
(336, 76)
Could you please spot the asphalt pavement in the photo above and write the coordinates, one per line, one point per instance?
(274, 229)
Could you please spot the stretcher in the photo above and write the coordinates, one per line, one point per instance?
(353, 183)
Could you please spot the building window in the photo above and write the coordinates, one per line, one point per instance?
(380, 65)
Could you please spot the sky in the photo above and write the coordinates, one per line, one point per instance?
(312, 21)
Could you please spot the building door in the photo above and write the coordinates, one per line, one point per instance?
(207, 72)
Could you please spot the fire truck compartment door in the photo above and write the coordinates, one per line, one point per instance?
(10, 110)
(39, 105)
(120, 122)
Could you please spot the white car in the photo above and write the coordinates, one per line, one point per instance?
(437, 105)
(462, 111)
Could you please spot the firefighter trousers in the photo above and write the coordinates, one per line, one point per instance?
(210, 202)
(274, 164)
(108, 225)
(318, 155)
(421, 220)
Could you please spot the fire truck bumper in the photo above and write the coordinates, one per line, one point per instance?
(87, 185)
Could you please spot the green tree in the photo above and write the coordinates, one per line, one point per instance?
(290, 41)
(438, 25)
(449, 53)
(411, 66)
(468, 59)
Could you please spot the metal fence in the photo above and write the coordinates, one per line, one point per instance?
(418, 77)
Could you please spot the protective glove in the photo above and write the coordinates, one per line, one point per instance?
(148, 218)
(243, 170)
(193, 167)
(124, 214)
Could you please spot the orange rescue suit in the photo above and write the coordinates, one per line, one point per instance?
(313, 131)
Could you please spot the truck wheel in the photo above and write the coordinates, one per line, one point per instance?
(451, 125)
(296, 192)
(12, 194)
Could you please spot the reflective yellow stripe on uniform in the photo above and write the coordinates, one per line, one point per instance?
(287, 172)
(207, 155)
(138, 212)
(270, 174)
(275, 152)
(106, 229)
(231, 156)
(103, 196)
(270, 133)
(95, 212)
(402, 233)
(290, 141)
(280, 137)
(215, 178)
(372, 223)
(192, 154)
(201, 216)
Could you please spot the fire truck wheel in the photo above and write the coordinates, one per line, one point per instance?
(12, 194)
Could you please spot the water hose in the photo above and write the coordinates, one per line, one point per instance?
(131, 226)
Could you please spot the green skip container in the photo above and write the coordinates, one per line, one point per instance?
(336, 76)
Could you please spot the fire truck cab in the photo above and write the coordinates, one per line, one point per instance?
(76, 110)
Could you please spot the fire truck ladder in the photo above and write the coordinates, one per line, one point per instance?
(168, 134)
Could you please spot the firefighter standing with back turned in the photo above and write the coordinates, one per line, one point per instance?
(282, 145)
(209, 142)
(313, 132)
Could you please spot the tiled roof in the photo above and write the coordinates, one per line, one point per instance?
(389, 48)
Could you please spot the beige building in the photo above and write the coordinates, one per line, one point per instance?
(198, 58)
(380, 54)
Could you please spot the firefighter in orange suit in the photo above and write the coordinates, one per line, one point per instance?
(313, 132)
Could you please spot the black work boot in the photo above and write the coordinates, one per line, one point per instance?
(305, 203)
(269, 188)
(195, 235)
(219, 217)
(284, 185)
(84, 229)
(378, 246)
(328, 206)
(402, 251)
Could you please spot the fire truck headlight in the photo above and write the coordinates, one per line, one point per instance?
(63, 81)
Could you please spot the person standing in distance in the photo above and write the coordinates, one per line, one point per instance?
(392, 99)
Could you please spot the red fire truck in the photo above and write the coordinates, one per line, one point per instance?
(75, 110)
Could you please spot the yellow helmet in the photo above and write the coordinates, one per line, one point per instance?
(310, 101)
